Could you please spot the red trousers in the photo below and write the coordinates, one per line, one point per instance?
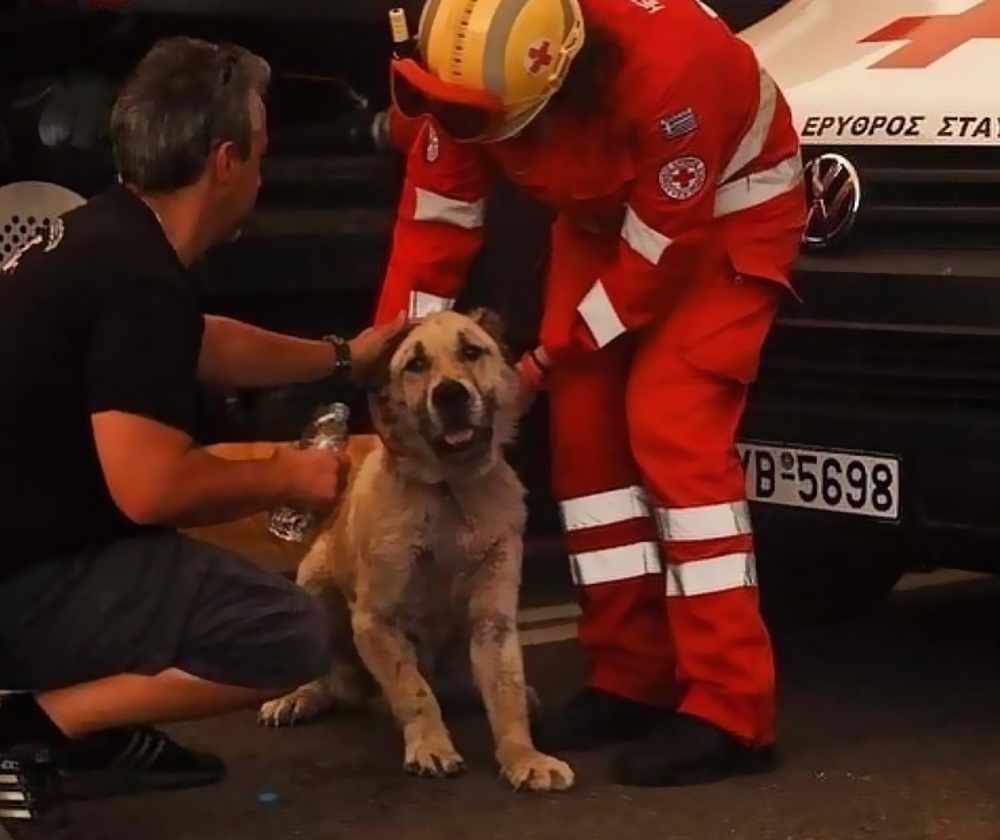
(652, 491)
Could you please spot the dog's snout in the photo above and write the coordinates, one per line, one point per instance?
(450, 395)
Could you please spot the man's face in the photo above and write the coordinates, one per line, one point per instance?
(237, 179)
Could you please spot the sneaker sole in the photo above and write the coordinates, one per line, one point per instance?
(107, 784)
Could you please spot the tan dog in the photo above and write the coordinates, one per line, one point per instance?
(421, 565)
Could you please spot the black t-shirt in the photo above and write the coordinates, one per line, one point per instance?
(98, 315)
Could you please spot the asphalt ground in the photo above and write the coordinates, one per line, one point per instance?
(889, 728)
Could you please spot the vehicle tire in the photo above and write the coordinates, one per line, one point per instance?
(826, 575)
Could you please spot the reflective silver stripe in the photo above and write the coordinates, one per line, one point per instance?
(422, 304)
(758, 187)
(711, 576)
(603, 508)
(615, 564)
(600, 316)
(707, 522)
(753, 141)
(641, 238)
(498, 32)
(431, 207)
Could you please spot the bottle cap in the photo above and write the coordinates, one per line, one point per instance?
(397, 22)
(337, 411)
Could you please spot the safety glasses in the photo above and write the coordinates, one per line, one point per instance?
(465, 115)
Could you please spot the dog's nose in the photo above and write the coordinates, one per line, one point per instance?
(450, 395)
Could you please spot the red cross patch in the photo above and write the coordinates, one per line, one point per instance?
(682, 178)
(539, 56)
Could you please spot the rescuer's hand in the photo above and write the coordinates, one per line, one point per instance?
(532, 375)
(369, 346)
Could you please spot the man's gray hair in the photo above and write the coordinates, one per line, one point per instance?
(183, 99)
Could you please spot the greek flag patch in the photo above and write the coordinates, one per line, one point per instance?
(679, 124)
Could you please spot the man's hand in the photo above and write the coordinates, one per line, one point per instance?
(316, 477)
(367, 347)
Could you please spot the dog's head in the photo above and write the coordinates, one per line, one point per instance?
(445, 392)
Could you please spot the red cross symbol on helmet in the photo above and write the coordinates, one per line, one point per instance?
(539, 56)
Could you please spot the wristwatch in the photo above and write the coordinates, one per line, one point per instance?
(343, 362)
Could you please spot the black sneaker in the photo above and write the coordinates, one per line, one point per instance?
(131, 760)
(591, 720)
(687, 750)
(30, 807)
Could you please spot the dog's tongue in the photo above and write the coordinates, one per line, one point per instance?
(458, 438)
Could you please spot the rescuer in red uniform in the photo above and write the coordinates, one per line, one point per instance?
(671, 159)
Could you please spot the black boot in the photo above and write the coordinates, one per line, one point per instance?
(130, 760)
(686, 750)
(591, 720)
(30, 806)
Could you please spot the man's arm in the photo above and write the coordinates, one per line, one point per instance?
(239, 355)
(141, 364)
(439, 227)
(157, 476)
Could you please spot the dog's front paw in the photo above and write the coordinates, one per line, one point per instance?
(526, 767)
(432, 755)
(300, 706)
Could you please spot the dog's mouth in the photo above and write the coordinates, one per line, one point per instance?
(464, 440)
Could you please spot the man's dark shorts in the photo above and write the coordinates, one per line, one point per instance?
(149, 603)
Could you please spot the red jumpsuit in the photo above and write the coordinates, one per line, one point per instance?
(680, 212)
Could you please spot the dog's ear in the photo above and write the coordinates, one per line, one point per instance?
(376, 377)
(493, 325)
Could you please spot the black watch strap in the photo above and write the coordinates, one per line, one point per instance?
(343, 363)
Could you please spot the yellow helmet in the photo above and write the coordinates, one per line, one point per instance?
(514, 53)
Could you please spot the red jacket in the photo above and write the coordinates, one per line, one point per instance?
(699, 146)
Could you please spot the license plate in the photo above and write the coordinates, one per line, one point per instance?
(842, 482)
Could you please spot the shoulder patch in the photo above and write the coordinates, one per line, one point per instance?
(683, 178)
(433, 145)
(679, 124)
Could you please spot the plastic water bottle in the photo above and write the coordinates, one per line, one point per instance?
(327, 431)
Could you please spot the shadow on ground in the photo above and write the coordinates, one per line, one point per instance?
(890, 728)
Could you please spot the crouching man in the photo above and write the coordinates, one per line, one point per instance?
(109, 619)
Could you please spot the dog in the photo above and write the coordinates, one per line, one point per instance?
(420, 566)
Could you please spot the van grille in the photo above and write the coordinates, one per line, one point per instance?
(880, 368)
(926, 197)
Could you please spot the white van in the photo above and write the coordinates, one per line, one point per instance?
(872, 443)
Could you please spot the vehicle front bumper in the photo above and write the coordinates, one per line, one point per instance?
(898, 363)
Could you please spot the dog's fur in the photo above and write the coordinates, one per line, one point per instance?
(421, 565)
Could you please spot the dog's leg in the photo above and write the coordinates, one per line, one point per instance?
(392, 660)
(498, 666)
(347, 685)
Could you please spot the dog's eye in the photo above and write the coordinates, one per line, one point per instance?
(470, 352)
(418, 364)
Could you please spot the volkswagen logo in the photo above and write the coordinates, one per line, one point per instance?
(833, 194)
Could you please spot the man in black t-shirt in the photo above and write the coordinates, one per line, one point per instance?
(109, 619)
